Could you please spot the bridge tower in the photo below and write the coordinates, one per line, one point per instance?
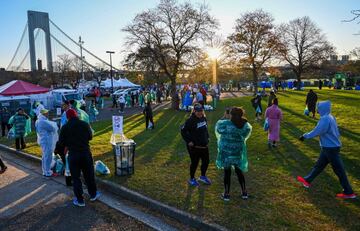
(39, 20)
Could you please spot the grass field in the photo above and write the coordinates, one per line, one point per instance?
(277, 201)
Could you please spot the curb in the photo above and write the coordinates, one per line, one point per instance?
(179, 215)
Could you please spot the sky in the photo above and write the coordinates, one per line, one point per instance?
(99, 22)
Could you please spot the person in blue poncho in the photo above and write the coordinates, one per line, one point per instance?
(327, 130)
(187, 101)
(232, 132)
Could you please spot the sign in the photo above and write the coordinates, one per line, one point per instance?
(117, 122)
(58, 111)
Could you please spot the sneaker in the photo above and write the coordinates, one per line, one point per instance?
(95, 197)
(78, 203)
(225, 197)
(205, 180)
(304, 182)
(193, 182)
(54, 174)
(244, 196)
(3, 170)
(346, 196)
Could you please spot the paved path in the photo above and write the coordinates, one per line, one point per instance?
(29, 201)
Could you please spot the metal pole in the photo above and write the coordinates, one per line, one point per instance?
(111, 75)
(214, 72)
(81, 56)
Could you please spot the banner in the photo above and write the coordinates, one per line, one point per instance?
(117, 122)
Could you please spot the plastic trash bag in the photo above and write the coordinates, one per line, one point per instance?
(11, 133)
(266, 125)
(150, 126)
(101, 168)
(306, 111)
(67, 167)
(59, 167)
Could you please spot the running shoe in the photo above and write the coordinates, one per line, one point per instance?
(205, 180)
(193, 182)
(97, 195)
(304, 182)
(225, 197)
(346, 196)
(78, 203)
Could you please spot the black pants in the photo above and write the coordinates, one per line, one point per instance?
(18, 141)
(82, 162)
(114, 105)
(3, 127)
(332, 156)
(2, 165)
(227, 179)
(195, 155)
(122, 105)
(147, 119)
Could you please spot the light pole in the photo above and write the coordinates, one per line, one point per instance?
(214, 54)
(111, 76)
(81, 57)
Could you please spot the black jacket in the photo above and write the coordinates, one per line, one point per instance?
(195, 130)
(5, 116)
(148, 111)
(75, 135)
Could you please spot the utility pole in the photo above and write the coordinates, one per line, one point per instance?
(81, 56)
(111, 75)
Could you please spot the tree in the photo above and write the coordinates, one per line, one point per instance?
(63, 65)
(171, 33)
(254, 41)
(303, 45)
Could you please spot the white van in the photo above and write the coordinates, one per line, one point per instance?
(61, 95)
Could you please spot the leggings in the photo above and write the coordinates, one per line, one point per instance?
(227, 179)
(195, 155)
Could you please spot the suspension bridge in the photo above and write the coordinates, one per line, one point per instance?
(43, 40)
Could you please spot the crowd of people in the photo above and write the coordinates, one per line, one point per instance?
(233, 130)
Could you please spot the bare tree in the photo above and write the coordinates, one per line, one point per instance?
(63, 65)
(254, 41)
(171, 32)
(303, 45)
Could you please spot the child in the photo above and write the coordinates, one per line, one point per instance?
(256, 103)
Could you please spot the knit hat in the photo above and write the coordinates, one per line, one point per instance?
(198, 107)
(71, 113)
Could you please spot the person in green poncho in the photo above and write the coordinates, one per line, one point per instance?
(128, 100)
(232, 132)
(81, 113)
(141, 99)
(21, 126)
(93, 112)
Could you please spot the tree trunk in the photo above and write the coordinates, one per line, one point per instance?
(255, 80)
(173, 91)
(298, 77)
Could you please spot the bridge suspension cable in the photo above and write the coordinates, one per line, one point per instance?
(82, 46)
(28, 51)
(69, 50)
(18, 47)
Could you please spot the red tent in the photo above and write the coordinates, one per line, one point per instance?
(19, 87)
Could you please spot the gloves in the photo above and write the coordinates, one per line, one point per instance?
(301, 138)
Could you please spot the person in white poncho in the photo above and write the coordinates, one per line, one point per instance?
(47, 136)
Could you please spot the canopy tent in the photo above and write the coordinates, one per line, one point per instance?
(19, 87)
(28, 90)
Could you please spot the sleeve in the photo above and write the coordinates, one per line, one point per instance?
(11, 120)
(320, 129)
(247, 131)
(62, 136)
(89, 131)
(185, 131)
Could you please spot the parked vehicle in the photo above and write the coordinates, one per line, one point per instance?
(61, 95)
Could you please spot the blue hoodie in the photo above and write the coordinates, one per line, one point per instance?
(326, 128)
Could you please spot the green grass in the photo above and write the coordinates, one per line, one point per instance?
(277, 201)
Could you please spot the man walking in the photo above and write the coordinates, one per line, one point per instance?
(330, 144)
(75, 135)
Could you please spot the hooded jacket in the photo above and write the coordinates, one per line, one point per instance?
(326, 128)
(195, 130)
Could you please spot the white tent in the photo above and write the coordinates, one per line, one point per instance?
(119, 83)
